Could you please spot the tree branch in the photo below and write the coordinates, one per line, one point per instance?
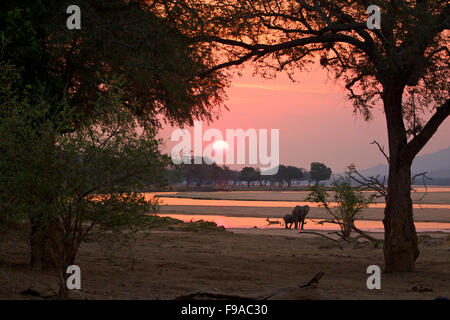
(381, 148)
(264, 49)
(419, 141)
(372, 183)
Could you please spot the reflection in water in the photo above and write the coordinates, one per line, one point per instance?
(271, 204)
(250, 222)
(431, 189)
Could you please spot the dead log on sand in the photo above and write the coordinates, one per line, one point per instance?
(305, 291)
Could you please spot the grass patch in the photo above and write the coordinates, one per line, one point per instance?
(155, 221)
(197, 226)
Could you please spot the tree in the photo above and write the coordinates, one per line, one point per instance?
(249, 174)
(350, 203)
(75, 182)
(294, 173)
(319, 172)
(287, 174)
(131, 40)
(405, 63)
(222, 176)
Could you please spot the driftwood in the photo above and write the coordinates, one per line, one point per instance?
(305, 291)
(362, 234)
(320, 234)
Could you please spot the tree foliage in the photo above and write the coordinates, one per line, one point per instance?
(349, 203)
(68, 184)
(249, 175)
(289, 35)
(319, 172)
(131, 39)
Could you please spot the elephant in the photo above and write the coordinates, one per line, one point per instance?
(299, 214)
(288, 219)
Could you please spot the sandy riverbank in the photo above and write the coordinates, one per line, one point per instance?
(434, 205)
(424, 215)
(172, 263)
(169, 263)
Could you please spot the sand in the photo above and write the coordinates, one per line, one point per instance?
(435, 206)
(432, 196)
(167, 264)
(423, 215)
(172, 263)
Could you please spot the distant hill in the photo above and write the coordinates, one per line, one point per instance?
(436, 164)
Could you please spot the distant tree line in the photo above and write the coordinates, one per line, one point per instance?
(205, 174)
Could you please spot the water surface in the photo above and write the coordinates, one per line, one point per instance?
(251, 222)
(261, 203)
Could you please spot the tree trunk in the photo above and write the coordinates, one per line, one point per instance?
(40, 257)
(401, 243)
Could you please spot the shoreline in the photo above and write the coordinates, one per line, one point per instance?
(299, 234)
(242, 222)
(374, 214)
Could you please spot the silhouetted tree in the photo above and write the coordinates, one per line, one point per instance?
(128, 41)
(404, 62)
(319, 172)
(83, 181)
(294, 173)
(286, 174)
(249, 174)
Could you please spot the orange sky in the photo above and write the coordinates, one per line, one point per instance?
(315, 119)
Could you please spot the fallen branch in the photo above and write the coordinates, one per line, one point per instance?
(299, 291)
(354, 228)
(319, 234)
(212, 296)
(365, 235)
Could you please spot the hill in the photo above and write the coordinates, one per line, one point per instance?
(437, 166)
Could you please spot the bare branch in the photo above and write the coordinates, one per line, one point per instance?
(381, 148)
(369, 183)
(353, 227)
(319, 234)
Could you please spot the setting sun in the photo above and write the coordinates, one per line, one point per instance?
(220, 145)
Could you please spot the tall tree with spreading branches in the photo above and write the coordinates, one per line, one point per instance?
(130, 39)
(405, 63)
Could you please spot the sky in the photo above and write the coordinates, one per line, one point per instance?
(314, 117)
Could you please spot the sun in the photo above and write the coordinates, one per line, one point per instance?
(220, 145)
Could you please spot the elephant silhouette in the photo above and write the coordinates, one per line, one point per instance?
(299, 214)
